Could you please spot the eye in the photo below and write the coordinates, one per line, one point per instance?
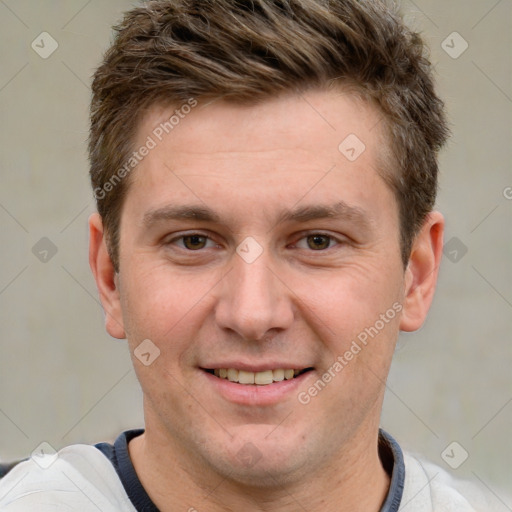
(317, 242)
(191, 242)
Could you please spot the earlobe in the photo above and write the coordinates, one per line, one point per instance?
(105, 277)
(421, 273)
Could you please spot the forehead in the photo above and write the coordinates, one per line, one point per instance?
(306, 120)
(320, 143)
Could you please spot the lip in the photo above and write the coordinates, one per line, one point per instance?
(253, 394)
(251, 367)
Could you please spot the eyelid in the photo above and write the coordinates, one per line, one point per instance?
(299, 237)
(338, 240)
(180, 236)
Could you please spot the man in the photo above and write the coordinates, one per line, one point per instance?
(265, 175)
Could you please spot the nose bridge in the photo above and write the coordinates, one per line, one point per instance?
(253, 299)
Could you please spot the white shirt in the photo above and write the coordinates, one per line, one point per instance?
(81, 478)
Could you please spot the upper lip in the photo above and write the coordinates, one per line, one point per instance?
(252, 367)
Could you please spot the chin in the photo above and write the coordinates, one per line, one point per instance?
(266, 473)
(255, 458)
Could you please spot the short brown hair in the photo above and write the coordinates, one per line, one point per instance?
(169, 51)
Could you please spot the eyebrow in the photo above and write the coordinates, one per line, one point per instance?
(184, 212)
(339, 210)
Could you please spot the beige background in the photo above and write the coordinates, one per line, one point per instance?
(64, 380)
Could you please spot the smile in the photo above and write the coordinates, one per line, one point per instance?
(262, 378)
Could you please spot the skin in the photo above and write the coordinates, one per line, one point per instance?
(295, 303)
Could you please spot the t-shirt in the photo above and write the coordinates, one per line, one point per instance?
(92, 478)
(389, 450)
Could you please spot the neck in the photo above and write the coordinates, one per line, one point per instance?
(352, 479)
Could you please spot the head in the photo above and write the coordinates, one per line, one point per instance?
(263, 95)
(172, 52)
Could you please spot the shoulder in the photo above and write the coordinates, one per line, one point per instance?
(78, 477)
(428, 487)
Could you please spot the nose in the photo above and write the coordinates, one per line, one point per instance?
(254, 300)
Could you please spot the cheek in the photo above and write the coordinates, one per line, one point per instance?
(164, 307)
(357, 316)
(349, 301)
(359, 332)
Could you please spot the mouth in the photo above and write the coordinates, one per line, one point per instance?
(260, 378)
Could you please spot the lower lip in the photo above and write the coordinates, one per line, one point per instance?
(253, 394)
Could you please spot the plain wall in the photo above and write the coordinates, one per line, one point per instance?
(64, 380)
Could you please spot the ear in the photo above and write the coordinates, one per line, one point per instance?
(421, 273)
(105, 277)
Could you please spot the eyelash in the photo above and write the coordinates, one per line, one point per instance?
(310, 234)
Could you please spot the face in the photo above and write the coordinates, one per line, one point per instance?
(255, 247)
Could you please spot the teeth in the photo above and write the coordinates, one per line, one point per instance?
(245, 377)
(232, 375)
(260, 378)
(278, 375)
(266, 377)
